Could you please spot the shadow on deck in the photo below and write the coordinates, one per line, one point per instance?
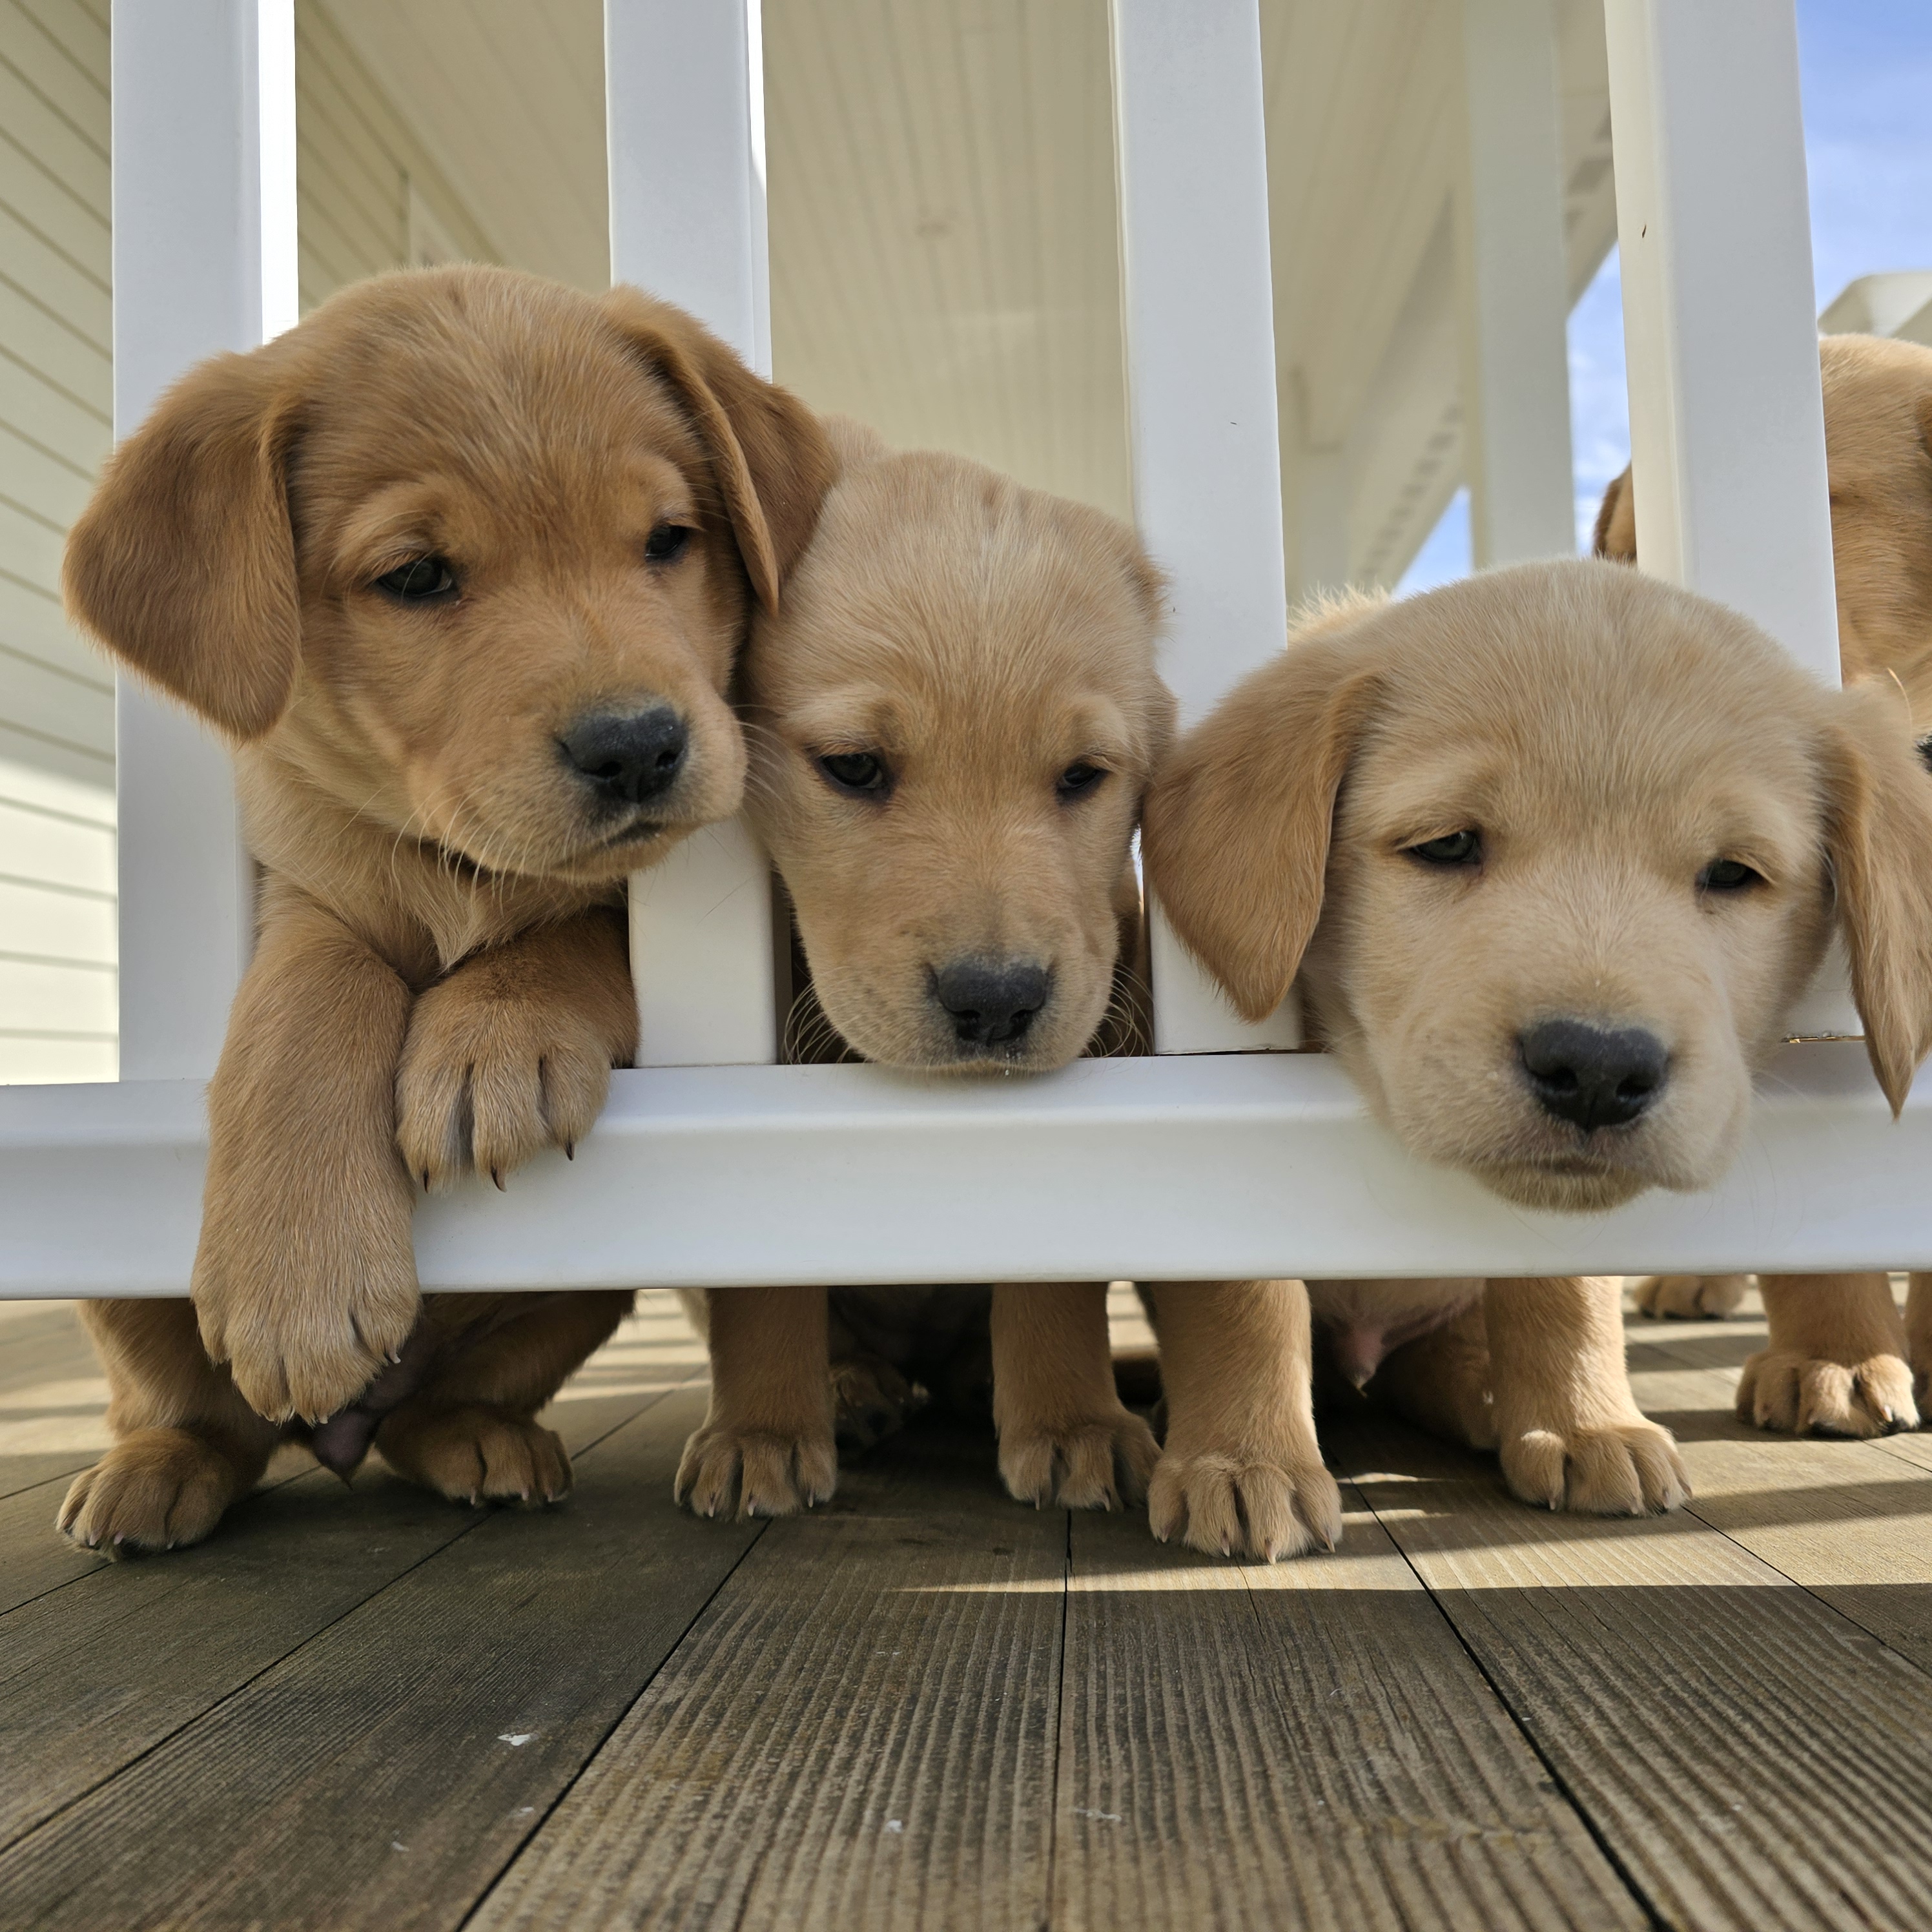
(926, 1706)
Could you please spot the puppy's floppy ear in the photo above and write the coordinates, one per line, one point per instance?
(1879, 836)
(183, 564)
(771, 459)
(1615, 534)
(1238, 823)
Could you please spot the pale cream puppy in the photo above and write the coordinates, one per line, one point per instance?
(1839, 1360)
(951, 726)
(1553, 850)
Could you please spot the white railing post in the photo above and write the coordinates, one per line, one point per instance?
(1191, 151)
(1514, 285)
(684, 94)
(204, 210)
(1727, 424)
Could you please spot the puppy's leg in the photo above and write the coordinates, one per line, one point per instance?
(512, 1052)
(1065, 1435)
(187, 1444)
(305, 1280)
(768, 1430)
(1834, 1363)
(1569, 1432)
(1240, 1472)
(471, 1430)
(1441, 1380)
(1691, 1297)
(1918, 1338)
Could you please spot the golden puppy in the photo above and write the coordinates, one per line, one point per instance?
(951, 724)
(1553, 851)
(1837, 1361)
(460, 567)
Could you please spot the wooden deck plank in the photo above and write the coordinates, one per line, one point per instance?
(1306, 1744)
(53, 1397)
(858, 1733)
(99, 1671)
(382, 1773)
(1701, 1709)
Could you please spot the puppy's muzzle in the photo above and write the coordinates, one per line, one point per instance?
(991, 1003)
(627, 758)
(1593, 1076)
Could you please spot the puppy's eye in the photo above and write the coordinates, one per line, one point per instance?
(424, 580)
(1078, 779)
(1728, 875)
(1453, 848)
(666, 543)
(861, 773)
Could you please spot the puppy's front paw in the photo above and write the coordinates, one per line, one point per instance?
(1691, 1297)
(1265, 1505)
(871, 1400)
(485, 1082)
(476, 1454)
(774, 1472)
(1780, 1389)
(1094, 1461)
(158, 1489)
(1625, 1468)
(306, 1311)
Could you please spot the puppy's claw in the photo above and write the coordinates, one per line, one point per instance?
(496, 1175)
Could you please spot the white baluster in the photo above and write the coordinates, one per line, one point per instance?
(204, 205)
(684, 90)
(1192, 155)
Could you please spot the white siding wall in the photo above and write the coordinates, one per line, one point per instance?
(358, 167)
(57, 937)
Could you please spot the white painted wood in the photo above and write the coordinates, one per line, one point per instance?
(1151, 1169)
(203, 174)
(1191, 153)
(1727, 427)
(1514, 284)
(685, 111)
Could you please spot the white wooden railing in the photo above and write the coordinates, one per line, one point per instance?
(713, 1166)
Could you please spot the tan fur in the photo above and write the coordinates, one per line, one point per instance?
(433, 871)
(1827, 1361)
(980, 639)
(1609, 737)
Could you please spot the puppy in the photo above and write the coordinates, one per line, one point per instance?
(459, 567)
(1553, 851)
(951, 721)
(1837, 1358)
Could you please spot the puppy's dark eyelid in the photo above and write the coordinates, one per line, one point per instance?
(857, 774)
(422, 580)
(1450, 851)
(1080, 779)
(1729, 875)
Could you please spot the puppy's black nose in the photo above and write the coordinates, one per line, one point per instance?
(1593, 1076)
(632, 758)
(991, 1000)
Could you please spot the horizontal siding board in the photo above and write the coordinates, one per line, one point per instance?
(49, 277)
(45, 483)
(43, 65)
(60, 153)
(55, 999)
(37, 845)
(42, 701)
(36, 1060)
(30, 547)
(38, 334)
(53, 417)
(77, 29)
(78, 763)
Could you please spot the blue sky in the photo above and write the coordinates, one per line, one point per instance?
(1866, 74)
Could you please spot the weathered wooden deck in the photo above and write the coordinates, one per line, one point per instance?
(926, 1706)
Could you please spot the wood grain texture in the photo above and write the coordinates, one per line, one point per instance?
(1305, 1744)
(857, 1734)
(382, 1774)
(98, 1672)
(1705, 1713)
